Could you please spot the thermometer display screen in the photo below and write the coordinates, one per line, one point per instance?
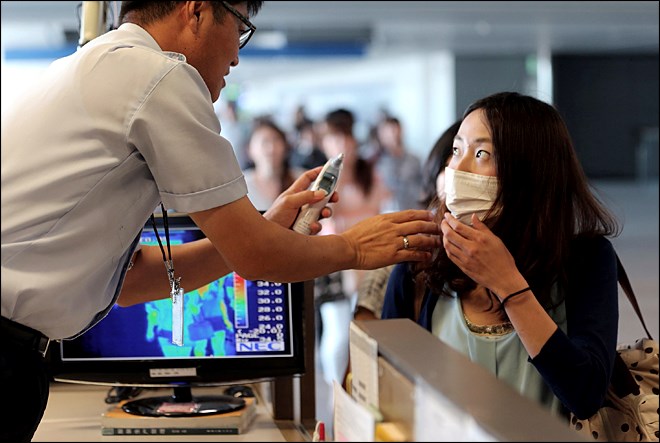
(327, 182)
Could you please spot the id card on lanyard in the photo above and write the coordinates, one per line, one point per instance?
(176, 291)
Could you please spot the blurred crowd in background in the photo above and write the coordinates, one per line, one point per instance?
(380, 174)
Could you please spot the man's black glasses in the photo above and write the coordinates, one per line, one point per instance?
(246, 34)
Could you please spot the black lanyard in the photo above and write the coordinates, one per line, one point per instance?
(169, 264)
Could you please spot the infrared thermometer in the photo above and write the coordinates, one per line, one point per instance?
(326, 181)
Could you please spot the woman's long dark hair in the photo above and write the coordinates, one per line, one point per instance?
(544, 197)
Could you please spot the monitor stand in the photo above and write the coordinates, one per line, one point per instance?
(183, 404)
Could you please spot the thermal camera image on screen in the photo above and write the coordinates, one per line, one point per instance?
(208, 320)
(230, 316)
(218, 321)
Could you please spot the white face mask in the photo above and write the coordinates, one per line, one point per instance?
(467, 194)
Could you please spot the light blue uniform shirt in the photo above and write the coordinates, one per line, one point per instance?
(87, 155)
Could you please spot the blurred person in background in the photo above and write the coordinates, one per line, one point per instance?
(400, 169)
(306, 152)
(371, 291)
(268, 149)
(371, 149)
(363, 194)
(235, 128)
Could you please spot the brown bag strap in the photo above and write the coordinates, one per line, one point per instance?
(627, 288)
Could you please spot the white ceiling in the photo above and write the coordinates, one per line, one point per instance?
(463, 27)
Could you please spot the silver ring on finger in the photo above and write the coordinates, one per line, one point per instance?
(406, 243)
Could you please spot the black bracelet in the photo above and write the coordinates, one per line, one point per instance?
(510, 296)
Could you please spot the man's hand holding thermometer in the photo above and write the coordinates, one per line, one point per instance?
(326, 181)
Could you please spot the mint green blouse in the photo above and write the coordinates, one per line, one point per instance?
(503, 355)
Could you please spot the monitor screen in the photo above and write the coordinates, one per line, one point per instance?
(235, 330)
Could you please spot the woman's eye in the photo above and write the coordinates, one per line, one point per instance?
(454, 151)
(481, 153)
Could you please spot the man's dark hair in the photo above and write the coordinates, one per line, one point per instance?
(146, 12)
(340, 120)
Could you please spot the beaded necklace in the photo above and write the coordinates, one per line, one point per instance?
(496, 329)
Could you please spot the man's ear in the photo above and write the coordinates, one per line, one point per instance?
(197, 8)
(192, 13)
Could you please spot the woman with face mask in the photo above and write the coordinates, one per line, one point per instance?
(525, 283)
